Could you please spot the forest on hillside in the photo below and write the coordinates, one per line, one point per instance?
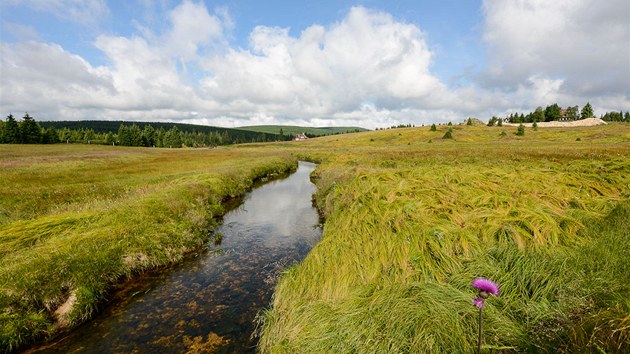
(174, 135)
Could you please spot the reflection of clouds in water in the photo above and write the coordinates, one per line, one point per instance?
(278, 210)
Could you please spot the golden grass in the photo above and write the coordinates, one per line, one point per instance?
(405, 214)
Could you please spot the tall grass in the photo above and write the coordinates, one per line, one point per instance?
(122, 214)
(410, 224)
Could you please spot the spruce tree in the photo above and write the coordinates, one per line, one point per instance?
(521, 130)
(148, 136)
(30, 131)
(433, 128)
(135, 135)
(124, 138)
(50, 136)
(448, 134)
(587, 111)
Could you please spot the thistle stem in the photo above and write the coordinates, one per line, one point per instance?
(479, 338)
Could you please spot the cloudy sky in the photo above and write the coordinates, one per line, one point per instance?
(317, 63)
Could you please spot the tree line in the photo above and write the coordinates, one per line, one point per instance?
(554, 112)
(29, 131)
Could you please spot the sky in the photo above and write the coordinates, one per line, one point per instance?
(370, 63)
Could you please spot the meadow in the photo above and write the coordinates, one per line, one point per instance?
(77, 219)
(410, 219)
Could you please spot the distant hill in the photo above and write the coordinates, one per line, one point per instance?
(103, 126)
(292, 130)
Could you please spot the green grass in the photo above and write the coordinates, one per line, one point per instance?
(410, 224)
(110, 213)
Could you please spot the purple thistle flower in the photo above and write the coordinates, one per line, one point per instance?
(486, 285)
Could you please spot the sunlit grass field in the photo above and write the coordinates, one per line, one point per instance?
(410, 219)
(76, 219)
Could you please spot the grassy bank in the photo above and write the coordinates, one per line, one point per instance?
(412, 218)
(76, 219)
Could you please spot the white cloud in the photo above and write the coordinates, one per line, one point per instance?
(193, 28)
(39, 77)
(368, 69)
(20, 32)
(85, 12)
(367, 57)
(574, 50)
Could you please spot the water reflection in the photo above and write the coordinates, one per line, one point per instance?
(208, 303)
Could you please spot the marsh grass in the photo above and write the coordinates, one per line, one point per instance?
(410, 224)
(116, 214)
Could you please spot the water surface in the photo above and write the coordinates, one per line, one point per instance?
(210, 301)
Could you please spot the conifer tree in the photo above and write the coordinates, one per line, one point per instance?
(30, 130)
(11, 131)
(587, 111)
(135, 135)
(50, 136)
(148, 136)
(124, 138)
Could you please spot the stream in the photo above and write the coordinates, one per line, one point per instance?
(210, 301)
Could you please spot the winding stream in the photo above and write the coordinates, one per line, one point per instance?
(209, 302)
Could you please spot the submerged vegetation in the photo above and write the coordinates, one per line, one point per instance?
(408, 225)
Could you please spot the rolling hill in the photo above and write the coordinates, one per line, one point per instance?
(101, 126)
(292, 130)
